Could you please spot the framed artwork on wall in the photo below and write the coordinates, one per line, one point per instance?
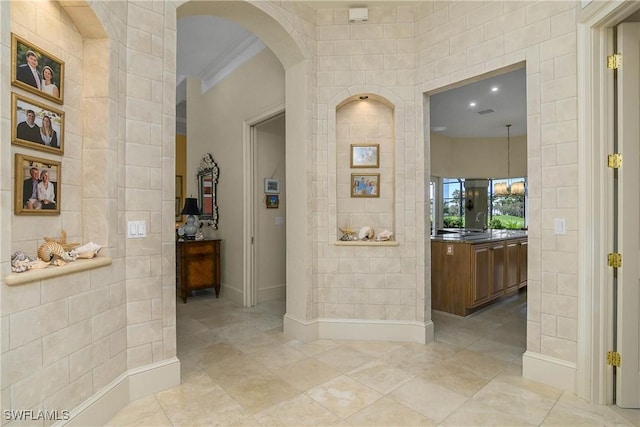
(37, 186)
(365, 155)
(271, 186)
(35, 125)
(35, 70)
(273, 201)
(365, 185)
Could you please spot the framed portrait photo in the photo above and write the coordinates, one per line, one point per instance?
(365, 155)
(37, 186)
(36, 125)
(271, 186)
(365, 185)
(35, 70)
(273, 201)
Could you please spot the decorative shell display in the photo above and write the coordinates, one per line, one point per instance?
(50, 250)
(366, 233)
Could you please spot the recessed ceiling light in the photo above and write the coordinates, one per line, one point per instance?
(472, 104)
(439, 128)
(494, 89)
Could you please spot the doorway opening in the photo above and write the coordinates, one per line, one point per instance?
(265, 210)
(477, 138)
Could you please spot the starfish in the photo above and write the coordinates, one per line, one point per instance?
(63, 241)
(347, 230)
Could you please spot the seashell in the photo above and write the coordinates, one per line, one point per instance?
(384, 235)
(20, 262)
(50, 250)
(88, 250)
(63, 241)
(366, 233)
(37, 264)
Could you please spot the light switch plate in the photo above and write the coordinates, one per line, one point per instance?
(560, 226)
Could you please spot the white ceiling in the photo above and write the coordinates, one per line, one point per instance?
(210, 48)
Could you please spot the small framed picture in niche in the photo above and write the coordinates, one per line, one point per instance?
(37, 186)
(35, 70)
(365, 155)
(365, 185)
(271, 186)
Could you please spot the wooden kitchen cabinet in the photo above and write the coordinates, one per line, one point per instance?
(481, 280)
(197, 266)
(522, 268)
(512, 266)
(466, 275)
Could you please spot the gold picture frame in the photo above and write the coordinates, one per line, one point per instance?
(37, 186)
(24, 110)
(30, 63)
(365, 155)
(365, 185)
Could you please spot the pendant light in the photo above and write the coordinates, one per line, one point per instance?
(503, 188)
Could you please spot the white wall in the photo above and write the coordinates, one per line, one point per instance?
(215, 125)
(477, 157)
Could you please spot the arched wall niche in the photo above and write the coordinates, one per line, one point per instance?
(365, 188)
(370, 121)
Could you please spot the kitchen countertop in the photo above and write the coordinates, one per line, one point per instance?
(471, 236)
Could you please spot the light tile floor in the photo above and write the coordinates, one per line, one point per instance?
(239, 370)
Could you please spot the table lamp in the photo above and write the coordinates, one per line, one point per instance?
(190, 209)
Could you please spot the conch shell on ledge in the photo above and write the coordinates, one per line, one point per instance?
(366, 233)
(48, 251)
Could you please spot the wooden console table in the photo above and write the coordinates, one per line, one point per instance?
(197, 266)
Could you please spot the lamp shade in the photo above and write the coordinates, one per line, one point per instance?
(517, 188)
(190, 206)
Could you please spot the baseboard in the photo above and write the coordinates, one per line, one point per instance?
(273, 293)
(235, 295)
(549, 370)
(132, 385)
(359, 329)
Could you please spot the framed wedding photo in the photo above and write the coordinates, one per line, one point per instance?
(35, 70)
(365, 156)
(37, 186)
(365, 185)
(36, 125)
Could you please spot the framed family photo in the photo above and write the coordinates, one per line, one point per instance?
(365, 156)
(35, 125)
(35, 70)
(365, 185)
(37, 186)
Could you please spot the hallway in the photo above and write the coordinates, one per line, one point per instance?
(238, 369)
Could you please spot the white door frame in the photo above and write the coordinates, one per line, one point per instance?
(595, 142)
(248, 190)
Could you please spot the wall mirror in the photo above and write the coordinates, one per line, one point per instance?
(208, 173)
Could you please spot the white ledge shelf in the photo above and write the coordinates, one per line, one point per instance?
(365, 243)
(53, 271)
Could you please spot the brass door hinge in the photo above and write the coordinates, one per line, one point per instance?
(614, 359)
(614, 260)
(614, 161)
(614, 61)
